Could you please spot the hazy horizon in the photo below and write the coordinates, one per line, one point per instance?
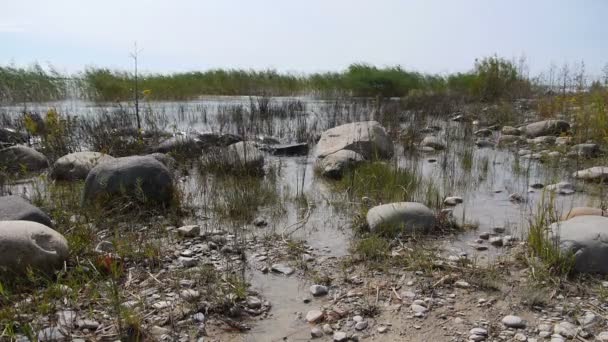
(305, 37)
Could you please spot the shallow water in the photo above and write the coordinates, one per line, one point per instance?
(483, 177)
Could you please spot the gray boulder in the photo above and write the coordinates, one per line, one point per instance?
(368, 138)
(180, 144)
(17, 208)
(11, 136)
(245, 155)
(335, 164)
(596, 173)
(546, 127)
(27, 244)
(22, 158)
(138, 177)
(75, 166)
(586, 237)
(562, 188)
(166, 159)
(409, 217)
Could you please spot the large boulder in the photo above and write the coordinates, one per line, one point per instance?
(17, 208)
(245, 156)
(166, 159)
(546, 127)
(583, 211)
(335, 164)
(27, 244)
(76, 166)
(586, 150)
(368, 138)
(138, 177)
(596, 173)
(409, 217)
(180, 144)
(586, 237)
(22, 158)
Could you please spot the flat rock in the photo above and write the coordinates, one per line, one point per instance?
(314, 316)
(368, 138)
(282, 268)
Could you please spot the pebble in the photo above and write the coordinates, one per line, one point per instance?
(187, 262)
(520, 337)
(484, 235)
(189, 294)
(476, 338)
(87, 324)
(327, 329)
(282, 268)
(314, 316)
(318, 290)
(340, 336)
(382, 329)
(462, 284)
(418, 308)
(479, 331)
(316, 332)
(515, 322)
(198, 317)
(496, 241)
(361, 325)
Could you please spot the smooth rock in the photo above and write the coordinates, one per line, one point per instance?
(586, 237)
(283, 269)
(16, 208)
(368, 138)
(596, 173)
(561, 188)
(316, 332)
(582, 211)
(30, 244)
(544, 128)
(406, 216)
(515, 322)
(318, 290)
(77, 165)
(20, 158)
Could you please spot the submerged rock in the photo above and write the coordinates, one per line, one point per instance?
(187, 145)
(22, 158)
(368, 138)
(11, 136)
(562, 188)
(210, 139)
(335, 164)
(138, 177)
(586, 237)
(245, 155)
(596, 173)
(409, 217)
(27, 244)
(16, 208)
(484, 143)
(76, 166)
(300, 149)
(546, 127)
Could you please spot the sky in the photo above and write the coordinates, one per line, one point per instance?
(432, 36)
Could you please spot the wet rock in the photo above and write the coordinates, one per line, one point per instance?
(283, 269)
(16, 208)
(562, 188)
(596, 173)
(76, 166)
(316, 332)
(254, 302)
(496, 241)
(368, 138)
(433, 141)
(290, 150)
(189, 231)
(20, 158)
(260, 222)
(245, 155)
(515, 322)
(546, 127)
(453, 200)
(267, 140)
(585, 237)
(484, 235)
(318, 290)
(509, 130)
(407, 216)
(334, 165)
(517, 198)
(586, 150)
(314, 316)
(30, 244)
(582, 211)
(134, 177)
(186, 145)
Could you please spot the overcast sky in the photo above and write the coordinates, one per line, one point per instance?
(435, 36)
